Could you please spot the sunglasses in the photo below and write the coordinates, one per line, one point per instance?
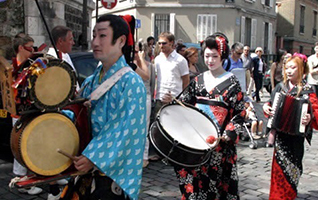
(239, 53)
(29, 49)
(162, 43)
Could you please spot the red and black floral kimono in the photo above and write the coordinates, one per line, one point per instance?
(289, 150)
(221, 99)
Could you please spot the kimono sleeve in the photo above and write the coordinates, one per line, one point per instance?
(237, 112)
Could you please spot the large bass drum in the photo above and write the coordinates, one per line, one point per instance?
(179, 134)
(35, 140)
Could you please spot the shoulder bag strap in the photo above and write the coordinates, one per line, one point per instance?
(106, 85)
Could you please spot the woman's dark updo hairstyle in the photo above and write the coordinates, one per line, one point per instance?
(212, 43)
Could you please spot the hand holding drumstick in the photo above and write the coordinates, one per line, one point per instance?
(81, 163)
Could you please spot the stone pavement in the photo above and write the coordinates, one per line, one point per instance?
(159, 180)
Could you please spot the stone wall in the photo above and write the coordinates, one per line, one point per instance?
(24, 16)
(12, 23)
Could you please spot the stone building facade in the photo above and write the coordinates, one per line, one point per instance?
(251, 22)
(23, 16)
(298, 22)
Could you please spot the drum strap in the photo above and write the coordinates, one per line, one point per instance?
(106, 85)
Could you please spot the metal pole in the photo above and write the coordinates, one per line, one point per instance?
(47, 28)
(84, 27)
(96, 10)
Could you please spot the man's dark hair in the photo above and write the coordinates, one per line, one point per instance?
(59, 32)
(121, 27)
(21, 39)
(150, 38)
(179, 47)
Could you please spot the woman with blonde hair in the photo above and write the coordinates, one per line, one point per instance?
(289, 147)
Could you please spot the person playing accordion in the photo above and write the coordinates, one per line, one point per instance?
(297, 97)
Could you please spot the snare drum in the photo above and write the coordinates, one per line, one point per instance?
(36, 138)
(179, 134)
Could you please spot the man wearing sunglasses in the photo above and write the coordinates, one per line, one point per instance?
(172, 71)
(234, 60)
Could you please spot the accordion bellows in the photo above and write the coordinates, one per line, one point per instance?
(288, 113)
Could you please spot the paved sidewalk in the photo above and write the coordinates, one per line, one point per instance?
(254, 165)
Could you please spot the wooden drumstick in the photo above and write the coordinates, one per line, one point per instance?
(179, 102)
(66, 154)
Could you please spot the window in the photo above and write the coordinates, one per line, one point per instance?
(301, 49)
(162, 24)
(248, 28)
(206, 25)
(302, 20)
(265, 46)
(267, 2)
(314, 30)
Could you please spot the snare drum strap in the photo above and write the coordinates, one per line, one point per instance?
(106, 85)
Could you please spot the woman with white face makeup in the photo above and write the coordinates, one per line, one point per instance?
(288, 147)
(218, 94)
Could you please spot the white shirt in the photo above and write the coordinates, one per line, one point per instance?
(66, 58)
(169, 72)
(312, 63)
(260, 65)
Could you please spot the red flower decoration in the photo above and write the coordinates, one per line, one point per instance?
(183, 173)
(204, 169)
(194, 173)
(218, 148)
(189, 188)
(243, 113)
(200, 184)
(226, 187)
(230, 127)
(239, 96)
(183, 197)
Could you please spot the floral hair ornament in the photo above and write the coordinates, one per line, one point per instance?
(221, 44)
(302, 56)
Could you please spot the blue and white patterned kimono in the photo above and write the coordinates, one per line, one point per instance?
(118, 128)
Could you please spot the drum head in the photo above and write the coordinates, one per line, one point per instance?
(53, 88)
(187, 125)
(42, 137)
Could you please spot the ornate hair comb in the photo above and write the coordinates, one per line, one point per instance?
(221, 44)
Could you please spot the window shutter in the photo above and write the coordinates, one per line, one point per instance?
(271, 3)
(253, 33)
(263, 37)
(243, 29)
(172, 22)
(214, 24)
(153, 24)
(270, 38)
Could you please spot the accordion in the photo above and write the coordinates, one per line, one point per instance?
(288, 114)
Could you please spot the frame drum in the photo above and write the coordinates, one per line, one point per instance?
(179, 134)
(35, 140)
(54, 88)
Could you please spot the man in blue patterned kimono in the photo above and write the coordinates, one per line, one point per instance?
(118, 117)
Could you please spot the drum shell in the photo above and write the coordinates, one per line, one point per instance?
(176, 153)
(17, 135)
(165, 140)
